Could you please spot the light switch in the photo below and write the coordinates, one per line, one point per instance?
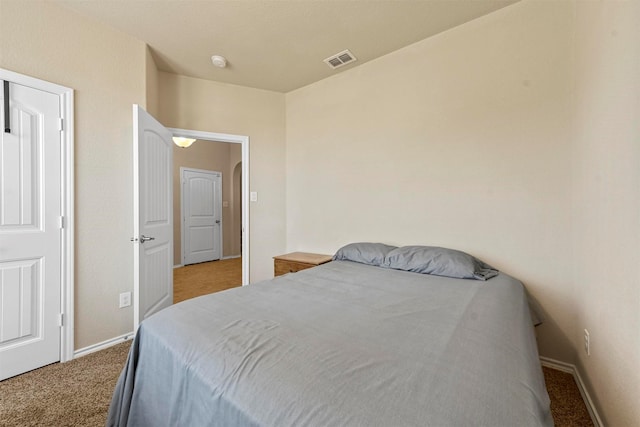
(225, 204)
(253, 196)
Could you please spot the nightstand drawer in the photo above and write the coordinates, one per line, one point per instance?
(283, 267)
(296, 261)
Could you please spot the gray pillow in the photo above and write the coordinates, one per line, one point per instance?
(365, 253)
(439, 262)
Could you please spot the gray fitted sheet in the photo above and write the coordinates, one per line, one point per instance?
(340, 344)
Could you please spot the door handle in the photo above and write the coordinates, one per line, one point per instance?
(217, 221)
(144, 238)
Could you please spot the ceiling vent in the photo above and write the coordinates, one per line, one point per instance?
(339, 59)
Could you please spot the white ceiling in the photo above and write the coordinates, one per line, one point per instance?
(277, 45)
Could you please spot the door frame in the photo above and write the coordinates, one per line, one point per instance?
(67, 222)
(183, 169)
(244, 141)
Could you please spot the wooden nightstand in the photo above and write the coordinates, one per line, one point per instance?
(296, 261)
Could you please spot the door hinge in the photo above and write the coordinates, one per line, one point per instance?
(61, 319)
(61, 222)
(60, 124)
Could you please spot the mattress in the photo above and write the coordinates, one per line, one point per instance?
(339, 344)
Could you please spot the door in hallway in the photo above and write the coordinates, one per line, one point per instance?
(201, 215)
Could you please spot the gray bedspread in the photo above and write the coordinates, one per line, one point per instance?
(343, 344)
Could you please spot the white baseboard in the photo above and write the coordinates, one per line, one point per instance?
(102, 345)
(571, 369)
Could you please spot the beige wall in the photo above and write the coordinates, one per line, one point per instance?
(196, 104)
(107, 71)
(151, 88)
(459, 141)
(606, 204)
(212, 156)
(236, 222)
(513, 137)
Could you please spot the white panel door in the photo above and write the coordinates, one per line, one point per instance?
(30, 234)
(202, 215)
(153, 216)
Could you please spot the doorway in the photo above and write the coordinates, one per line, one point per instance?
(153, 210)
(227, 154)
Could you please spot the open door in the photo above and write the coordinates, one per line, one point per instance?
(153, 216)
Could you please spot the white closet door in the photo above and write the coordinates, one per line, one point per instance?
(30, 231)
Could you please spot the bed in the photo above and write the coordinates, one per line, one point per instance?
(346, 343)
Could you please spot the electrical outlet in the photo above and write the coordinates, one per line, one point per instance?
(125, 299)
(587, 343)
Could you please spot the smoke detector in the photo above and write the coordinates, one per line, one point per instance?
(339, 59)
(219, 61)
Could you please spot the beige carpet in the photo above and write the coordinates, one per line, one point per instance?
(567, 406)
(76, 393)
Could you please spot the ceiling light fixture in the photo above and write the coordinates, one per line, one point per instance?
(183, 142)
(219, 61)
